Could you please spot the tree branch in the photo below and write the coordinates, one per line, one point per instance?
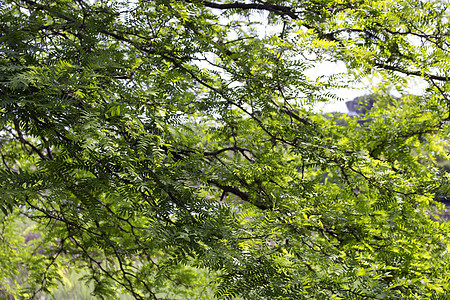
(25, 142)
(279, 9)
(415, 73)
(235, 191)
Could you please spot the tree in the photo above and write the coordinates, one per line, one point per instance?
(170, 146)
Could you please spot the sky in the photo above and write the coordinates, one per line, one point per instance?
(368, 85)
(326, 68)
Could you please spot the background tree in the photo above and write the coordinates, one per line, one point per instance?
(170, 145)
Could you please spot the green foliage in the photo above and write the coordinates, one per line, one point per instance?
(169, 149)
(27, 267)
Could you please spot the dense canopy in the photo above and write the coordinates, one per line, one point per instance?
(173, 149)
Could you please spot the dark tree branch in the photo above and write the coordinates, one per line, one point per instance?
(241, 194)
(26, 142)
(408, 72)
(235, 148)
(279, 9)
